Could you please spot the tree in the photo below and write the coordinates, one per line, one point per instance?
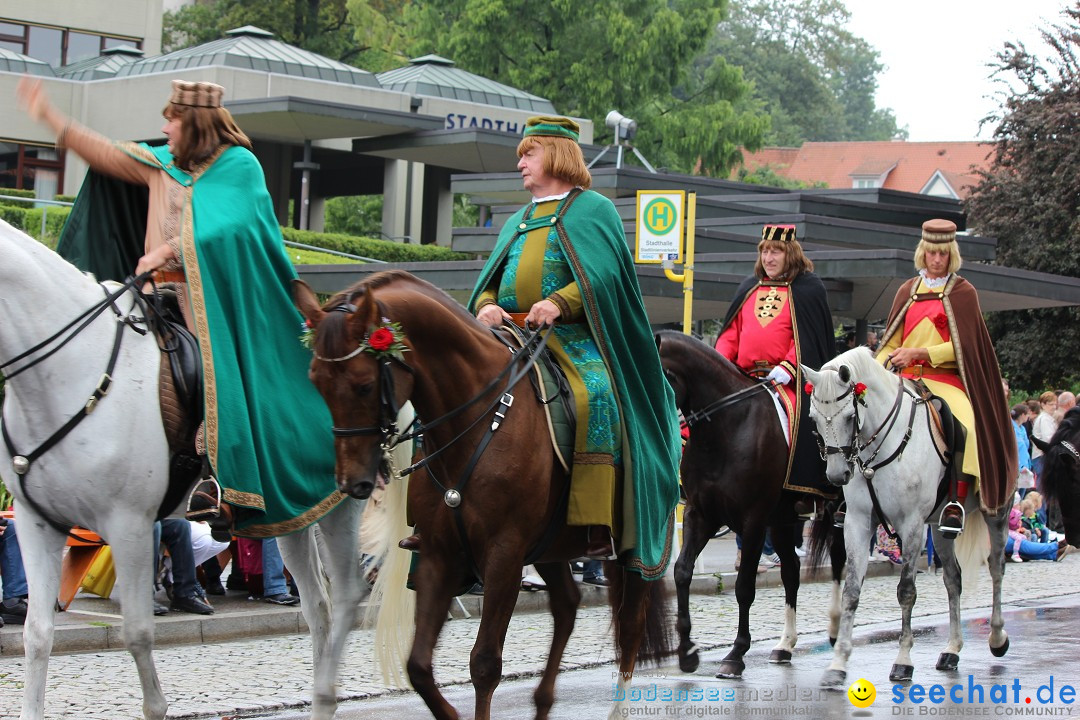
(1029, 199)
(591, 57)
(816, 79)
(363, 33)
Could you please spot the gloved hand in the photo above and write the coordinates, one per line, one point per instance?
(779, 375)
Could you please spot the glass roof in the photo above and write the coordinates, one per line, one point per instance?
(11, 61)
(252, 48)
(435, 76)
(105, 65)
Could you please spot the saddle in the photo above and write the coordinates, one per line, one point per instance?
(552, 391)
(180, 384)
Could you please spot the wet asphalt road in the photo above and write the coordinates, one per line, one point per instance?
(1042, 665)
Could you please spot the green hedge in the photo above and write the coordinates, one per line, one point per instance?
(28, 219)
(12, 192)
(372, 248)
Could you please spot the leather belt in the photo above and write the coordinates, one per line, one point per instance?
(918, 371)
(169, 276)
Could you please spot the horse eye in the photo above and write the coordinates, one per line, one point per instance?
(362, 389)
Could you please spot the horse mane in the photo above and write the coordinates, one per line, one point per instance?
(39, 256)
(333, 338)
(701, 357)
(1055, 472)
(860, 361)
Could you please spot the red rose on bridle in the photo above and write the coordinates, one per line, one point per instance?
(941, 321)
(808, 388)
(860, 390)
(381, 339)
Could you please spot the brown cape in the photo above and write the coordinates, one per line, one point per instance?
(981, 376)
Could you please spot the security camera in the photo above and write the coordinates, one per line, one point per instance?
(623, 126)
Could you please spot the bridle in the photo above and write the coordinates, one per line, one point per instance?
(854, 451)
(22, 462)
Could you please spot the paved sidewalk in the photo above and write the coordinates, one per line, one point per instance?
(93, 623)
(271, 673)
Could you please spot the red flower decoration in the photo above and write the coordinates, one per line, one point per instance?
(860, 390)
(941, 321)
(808, 388)
(381, 339)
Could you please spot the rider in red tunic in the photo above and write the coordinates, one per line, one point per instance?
(780, 318)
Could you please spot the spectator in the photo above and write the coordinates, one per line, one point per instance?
(1025, 483)
(186, 594)
(1017, 534)
(1042, 429)
(1066, 401)
(872, 341)
(206, 550)
(261, 564)
(1029, 519)
(593, 573)
(13, 575)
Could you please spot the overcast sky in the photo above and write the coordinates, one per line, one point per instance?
(936, 51)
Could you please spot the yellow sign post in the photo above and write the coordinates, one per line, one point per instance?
(660, 222)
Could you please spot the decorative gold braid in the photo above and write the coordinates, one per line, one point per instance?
(654, 572)
(292, 524)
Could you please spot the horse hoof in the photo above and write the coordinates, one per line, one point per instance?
(1000, 651)
(689, 661)
(901, 673)
(948, 661)
(780, 657)
(834, 679)
(731, 670)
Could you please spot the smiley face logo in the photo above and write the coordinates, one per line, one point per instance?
(862, 693)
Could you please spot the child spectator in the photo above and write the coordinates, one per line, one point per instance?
(1017, 533)
(1036, 519)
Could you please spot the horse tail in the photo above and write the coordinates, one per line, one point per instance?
(391, 606)
(822, 536)
(972, 547)
(656, 639)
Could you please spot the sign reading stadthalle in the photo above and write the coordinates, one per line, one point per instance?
(659, 226)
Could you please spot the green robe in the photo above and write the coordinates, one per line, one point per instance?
(591, 237)
(267, 429)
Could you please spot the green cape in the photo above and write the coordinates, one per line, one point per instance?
(592, 239)
(267, 429)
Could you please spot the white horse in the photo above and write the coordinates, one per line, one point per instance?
(109, 473)
(879, 445)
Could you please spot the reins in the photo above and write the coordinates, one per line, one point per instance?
(716, 406)
(21, 463)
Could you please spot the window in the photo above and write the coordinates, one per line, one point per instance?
(31, 167)
(57, 46)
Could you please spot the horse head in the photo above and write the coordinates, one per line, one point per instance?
(358, 370)
(1060, 478)
(834, 404)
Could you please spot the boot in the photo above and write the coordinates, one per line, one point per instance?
(411, 543)
(599, 544)
(951, 522)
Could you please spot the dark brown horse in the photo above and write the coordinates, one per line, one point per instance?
(733, 472)
(1060, 478)
(485, 500)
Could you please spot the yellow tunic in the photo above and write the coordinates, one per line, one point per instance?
(925, 334)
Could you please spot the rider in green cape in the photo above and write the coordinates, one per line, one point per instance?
(563, 259)
(211, 230)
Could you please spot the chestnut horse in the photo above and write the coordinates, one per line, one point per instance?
(487, 501)
(733, 473)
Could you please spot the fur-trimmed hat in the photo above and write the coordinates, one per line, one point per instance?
(196, 94)
(553, 126)
(780, 233)
(938, 231)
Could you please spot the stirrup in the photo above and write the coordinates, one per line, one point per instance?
(838, 516)
(951, 521)
(204, 503)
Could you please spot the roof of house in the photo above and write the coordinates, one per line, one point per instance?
(912, 164)
(436, 76)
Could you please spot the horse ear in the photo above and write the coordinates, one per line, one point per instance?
(845, 373)
(367, 312)
(306, 302)
(810, 374)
